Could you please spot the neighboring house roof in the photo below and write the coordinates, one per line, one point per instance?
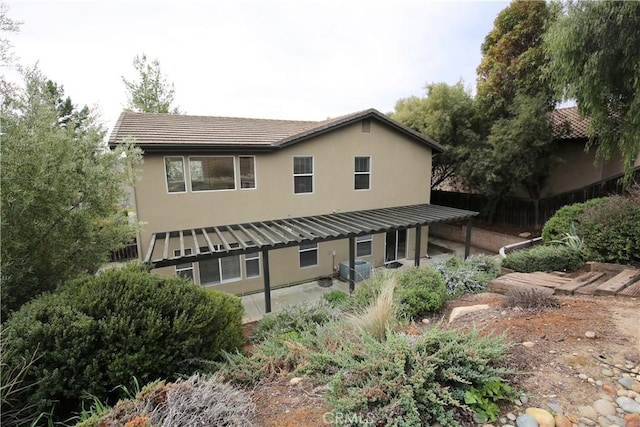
(568, 124)
(173, 132)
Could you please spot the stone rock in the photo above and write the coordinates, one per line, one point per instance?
(295, 380)
(590, 334)
(555, 408)
(629, 417)
(633, 423)
(544, 418)
(562, 421)
(588, 412)
(636, 388)
(583, 376)
(459, 311)
(426, 321)
(607, 372)
(627, 382)
(622, 392)
(609, 389)
(604, 407)
(628, 405)
(526, 420)
(587, 421)
(528, 344)
(615, 420)
(525, 235)
(524, 399)
(510, 416)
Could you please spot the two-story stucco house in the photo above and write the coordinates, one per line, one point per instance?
(217, 195)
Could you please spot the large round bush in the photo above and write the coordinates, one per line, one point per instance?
(545, 258)
(98, 332)
(556, 227)
(611, 230)
(421, 290)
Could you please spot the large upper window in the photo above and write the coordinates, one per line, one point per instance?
(303, 175)
(212, 173)
(221, 270)
(364, 245)
(174, 173)
(362, 168)
(247, 172)
(308, 255)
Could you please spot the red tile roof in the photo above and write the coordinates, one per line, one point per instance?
(568, 124)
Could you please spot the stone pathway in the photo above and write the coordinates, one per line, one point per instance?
(618, 405)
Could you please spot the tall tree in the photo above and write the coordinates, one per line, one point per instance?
(449, 115)
(68, 113)
(513, 57)
(62, 195)
(151, 93)
(7, 25)
(595, 51)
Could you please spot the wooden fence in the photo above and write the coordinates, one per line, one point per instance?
(522, 212)
(127, 253)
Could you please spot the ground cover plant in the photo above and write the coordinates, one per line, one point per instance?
(96, 332)
(467, 276)
(438, 375)
(545, 258)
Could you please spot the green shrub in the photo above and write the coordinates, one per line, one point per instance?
(611, 230)
(294, 319)
(336, 299)
(556, 227)
(545, 258)
(98, 332)
(468, 276)
(420, 290)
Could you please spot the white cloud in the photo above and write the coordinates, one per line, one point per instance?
(276, 59)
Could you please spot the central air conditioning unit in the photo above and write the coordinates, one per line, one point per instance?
(362, 270)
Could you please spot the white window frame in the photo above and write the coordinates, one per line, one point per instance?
(356, 173)
(182, 267)
(310, 249)
(251, 257)
(312, 175)
(255, 177)
(166, 175)
(233, 160)
(364, 239)
(219, 260)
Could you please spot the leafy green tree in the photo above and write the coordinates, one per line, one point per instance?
(594, 52)
(7, 25)
(513, 57)
(68, 114)
(151, 93)
(449, 115)
(62, 195)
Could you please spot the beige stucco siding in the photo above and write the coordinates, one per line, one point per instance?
(400, 175)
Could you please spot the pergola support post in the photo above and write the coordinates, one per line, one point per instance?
(467, 241)
(352, 263)
(416, 262)
(267, 281)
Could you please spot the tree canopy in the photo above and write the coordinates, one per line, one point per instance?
(513, 57)
(151, 93)
(594, 55)
(62, 194)
(449, 115)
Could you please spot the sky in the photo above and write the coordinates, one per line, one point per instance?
(275, 59)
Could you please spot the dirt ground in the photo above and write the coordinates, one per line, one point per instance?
(549, 368)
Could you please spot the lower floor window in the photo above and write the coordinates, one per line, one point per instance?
(220, 270)
(252, 264)
(364, 245)
(186, 269)
(308, 255)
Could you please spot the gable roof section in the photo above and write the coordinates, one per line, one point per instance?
(175, 132)
(567, 124)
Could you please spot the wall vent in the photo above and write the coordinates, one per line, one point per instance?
(366, 125)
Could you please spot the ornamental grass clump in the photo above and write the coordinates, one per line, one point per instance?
(379, 315)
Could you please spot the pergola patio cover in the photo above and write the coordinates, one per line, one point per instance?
(262, 236)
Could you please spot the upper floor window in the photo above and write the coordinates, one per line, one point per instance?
(174, 172)
(362, 168)
(212, 173)
(247, 172)
(303, 175)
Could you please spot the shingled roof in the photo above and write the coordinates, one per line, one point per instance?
(568, 124)
(170, 132)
